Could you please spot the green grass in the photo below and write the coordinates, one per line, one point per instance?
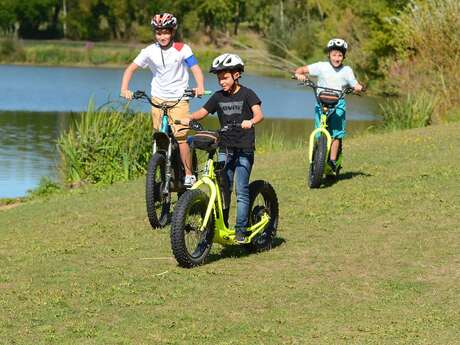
(372, 259)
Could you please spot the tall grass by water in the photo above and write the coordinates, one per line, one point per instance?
(411, 111)
(105, 146)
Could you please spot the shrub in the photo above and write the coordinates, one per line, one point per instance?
(106, 146)
(411, 111)
(44, 188)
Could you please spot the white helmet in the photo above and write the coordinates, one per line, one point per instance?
(227, 62)
(337, 44)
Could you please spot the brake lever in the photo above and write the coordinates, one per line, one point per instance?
(195, 125)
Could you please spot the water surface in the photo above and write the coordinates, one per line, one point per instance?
(37, 105)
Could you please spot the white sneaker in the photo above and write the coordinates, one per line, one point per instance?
(189, 181)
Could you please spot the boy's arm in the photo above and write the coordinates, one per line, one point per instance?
(358, 87)
(258, 117)
(198, 75)
(301, 73)
(195, 116)
(125, 92)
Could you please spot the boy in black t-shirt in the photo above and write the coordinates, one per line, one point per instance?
(235, 104)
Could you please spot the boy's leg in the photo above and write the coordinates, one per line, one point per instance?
(179, 112)
(156, 118)
(337, 126)
(244, 163)
(227, 159)
(335, 149)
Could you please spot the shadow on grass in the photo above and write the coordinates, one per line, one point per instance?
(328, 182)
(239, 251)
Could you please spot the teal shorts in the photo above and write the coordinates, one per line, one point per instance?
(337, 121)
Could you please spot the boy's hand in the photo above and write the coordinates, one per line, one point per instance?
(246, 124)
(300, 76)
(126, 94)
(358, 88)
(199, 91)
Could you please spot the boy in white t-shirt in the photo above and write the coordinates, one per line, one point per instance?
(332, 74)
(168, 61)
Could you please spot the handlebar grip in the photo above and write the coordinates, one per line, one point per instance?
(191, 93)
(138, 94)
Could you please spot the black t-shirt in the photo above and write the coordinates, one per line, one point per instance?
(234, 109)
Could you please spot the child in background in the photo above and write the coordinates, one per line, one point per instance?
(168, 61)
(332, 74)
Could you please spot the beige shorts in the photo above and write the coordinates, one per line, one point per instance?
(179, 112)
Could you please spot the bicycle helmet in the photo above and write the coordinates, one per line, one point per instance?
(337, 44)
(164, 21)
(227, 62)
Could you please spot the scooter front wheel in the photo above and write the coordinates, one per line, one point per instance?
(158, 203)
(316, 169)
(189, 244)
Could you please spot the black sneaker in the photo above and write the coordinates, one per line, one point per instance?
(333, 165)
(240, 236)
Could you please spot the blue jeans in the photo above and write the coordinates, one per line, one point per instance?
(239, 162)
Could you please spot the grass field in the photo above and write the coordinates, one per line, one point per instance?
(371, 259)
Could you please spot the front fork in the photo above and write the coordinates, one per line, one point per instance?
(311, 145)
(168, 170)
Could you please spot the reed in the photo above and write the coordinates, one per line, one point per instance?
(273, 140)
(105, 146)
(411, 111)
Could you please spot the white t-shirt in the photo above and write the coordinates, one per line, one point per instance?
(331, 78)
(169, 68)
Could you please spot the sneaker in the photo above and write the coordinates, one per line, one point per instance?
(240, 236)
(189, 181)
(333, 165)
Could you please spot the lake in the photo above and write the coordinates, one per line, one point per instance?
(38, 103)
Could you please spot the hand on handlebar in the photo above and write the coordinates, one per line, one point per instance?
(199, 91)
(300, 76)
(126, 94)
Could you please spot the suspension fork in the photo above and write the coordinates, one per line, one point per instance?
(322, 129)
(168, 170)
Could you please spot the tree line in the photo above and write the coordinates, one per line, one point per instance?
(402, 46)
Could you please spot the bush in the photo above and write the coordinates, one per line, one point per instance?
(412, 111)
(106, 146)
(45, 187)
(428, 52)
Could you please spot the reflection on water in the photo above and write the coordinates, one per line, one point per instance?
(28, 149)
(28, 144)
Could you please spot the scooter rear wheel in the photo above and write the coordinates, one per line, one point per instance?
(263, 199)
